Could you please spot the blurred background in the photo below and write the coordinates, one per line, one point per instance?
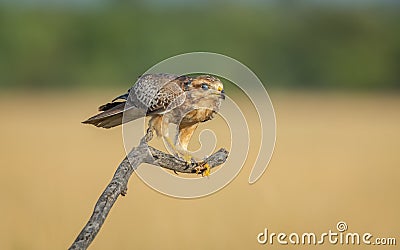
(332, 72)
(315, 44)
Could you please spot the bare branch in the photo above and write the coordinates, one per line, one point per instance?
(171, 162)
(118, 185)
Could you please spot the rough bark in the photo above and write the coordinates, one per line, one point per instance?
(118, 185)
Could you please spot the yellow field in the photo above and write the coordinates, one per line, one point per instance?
(336, 159)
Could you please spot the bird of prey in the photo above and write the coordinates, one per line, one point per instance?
(167, 99)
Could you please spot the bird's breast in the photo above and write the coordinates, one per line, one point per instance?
(196, 116)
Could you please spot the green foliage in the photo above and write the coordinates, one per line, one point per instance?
(316, 47)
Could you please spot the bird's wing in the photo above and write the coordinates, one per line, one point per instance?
(152, 94)
(158, 93)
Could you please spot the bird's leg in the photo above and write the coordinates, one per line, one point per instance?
(179, 151)
(188, 158)
(171, 145)
(184, 153)
(184, 134)
(160, 125)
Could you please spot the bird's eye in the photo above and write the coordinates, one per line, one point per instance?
(204, 86)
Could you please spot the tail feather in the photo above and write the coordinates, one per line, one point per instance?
(109, 105)
(110, 116)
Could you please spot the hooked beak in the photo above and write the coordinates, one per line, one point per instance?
(222, 94)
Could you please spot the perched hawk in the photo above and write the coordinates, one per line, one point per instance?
(167, 99)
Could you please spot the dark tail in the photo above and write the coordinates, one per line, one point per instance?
(112, 113)
(110, 116)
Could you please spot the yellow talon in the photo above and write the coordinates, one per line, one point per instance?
(207, 171)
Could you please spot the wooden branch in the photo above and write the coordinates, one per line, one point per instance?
(118, 185)
(171, 162)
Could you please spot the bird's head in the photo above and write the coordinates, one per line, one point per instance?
(206, 86)
(205, 91)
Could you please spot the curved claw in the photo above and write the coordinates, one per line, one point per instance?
(205, 169)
